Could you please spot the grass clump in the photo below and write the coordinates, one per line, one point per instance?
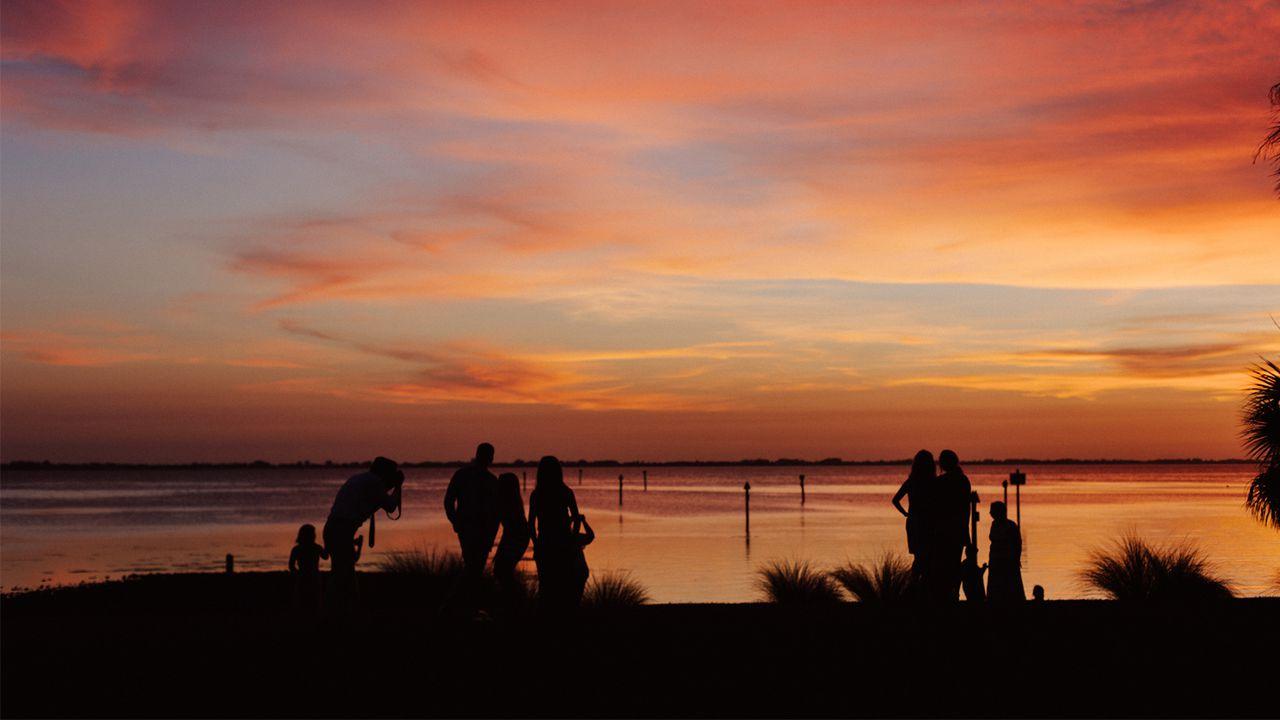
(432, 563)
(887, 581)
(614, 590)
(1134, 571)
(796, 582)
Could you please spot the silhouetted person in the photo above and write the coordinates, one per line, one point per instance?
(1004, 584)
(579, 571)
(916, 489)
(304, 567)
(949, 520)
(1037, 593)
(358, 499)
(971, 575)
(469, 503)
(515, 531)
(552, 508)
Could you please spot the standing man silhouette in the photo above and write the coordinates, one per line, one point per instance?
(359, 498)
(470, 505)
(951, 527)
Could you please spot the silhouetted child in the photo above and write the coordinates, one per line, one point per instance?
(304, 566)
(579, 572)
(1037, 593)
(971, 575)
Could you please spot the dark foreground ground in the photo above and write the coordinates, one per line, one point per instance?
(212, 645)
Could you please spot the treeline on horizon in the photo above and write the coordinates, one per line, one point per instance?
(746, 462)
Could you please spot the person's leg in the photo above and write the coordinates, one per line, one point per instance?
(339, 540)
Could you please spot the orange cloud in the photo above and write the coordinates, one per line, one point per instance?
(49, 347)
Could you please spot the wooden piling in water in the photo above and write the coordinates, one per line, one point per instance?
(801, 489)
(619, 491)
(746, 495)
(646, 480)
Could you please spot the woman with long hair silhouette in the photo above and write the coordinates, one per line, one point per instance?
(552, 509)
(916, 489)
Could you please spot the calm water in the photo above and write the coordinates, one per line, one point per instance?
(683, 538)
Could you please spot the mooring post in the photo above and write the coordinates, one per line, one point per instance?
(801, 489)
(231, 563)
(746, 494)
(579, 476)
(1017, 479)
(619, 491)
(646, 480)
(1005, 484)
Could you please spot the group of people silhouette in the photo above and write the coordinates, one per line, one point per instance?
(479, 504)
(944, 556)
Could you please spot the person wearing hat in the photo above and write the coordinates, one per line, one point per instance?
(359, 498)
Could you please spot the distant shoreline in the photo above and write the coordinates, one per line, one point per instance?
(759, 462)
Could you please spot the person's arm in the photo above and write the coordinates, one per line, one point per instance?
(324, 553)
(293, 559)
(590, 535)
(897, 498)
(391, 500)
(359, 541)
(533, 515)
(573, 505)
(451, 501)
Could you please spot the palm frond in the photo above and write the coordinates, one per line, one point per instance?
(1270, 147)
(1261, 435)
(1261, 417)
(886, 581)
(796, 582)
(1134, 571)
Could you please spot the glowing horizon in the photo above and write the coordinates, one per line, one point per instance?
(238, 230)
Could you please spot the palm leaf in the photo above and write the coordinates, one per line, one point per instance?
(1261, 435)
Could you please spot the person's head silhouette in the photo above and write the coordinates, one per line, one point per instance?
(550, 474)
(999, 511)
(1037, 592)
(922, 465)
(306, 535)
(948, 460)
(484, 455)
(385, 468)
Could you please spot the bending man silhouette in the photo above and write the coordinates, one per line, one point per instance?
(358, 499)
(949, 514)
(469, 503)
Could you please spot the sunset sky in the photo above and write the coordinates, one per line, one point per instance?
(633, 230)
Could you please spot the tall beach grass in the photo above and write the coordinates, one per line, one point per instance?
(885, 581)
(613, 590)
(796, 582)
(1133, 571)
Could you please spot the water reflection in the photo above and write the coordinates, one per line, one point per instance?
(686, 538)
